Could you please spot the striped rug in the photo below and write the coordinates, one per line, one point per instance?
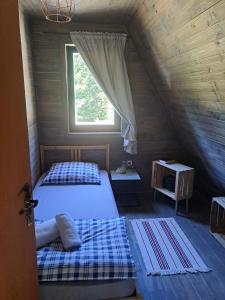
(165, 248)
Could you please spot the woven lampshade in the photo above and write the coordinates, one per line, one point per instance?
(59, 11)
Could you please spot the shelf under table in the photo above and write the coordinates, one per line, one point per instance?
(166, 192)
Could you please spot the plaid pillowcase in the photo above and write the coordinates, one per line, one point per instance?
(73, 173)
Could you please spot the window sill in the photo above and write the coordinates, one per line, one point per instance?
(94, 132)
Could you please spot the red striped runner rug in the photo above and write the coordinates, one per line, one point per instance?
(165, 248)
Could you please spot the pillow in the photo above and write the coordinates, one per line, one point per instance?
(73, 173)
(46, 232)
(67, 231)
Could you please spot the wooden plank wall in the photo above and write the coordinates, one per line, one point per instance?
(183, 46)
(29, 96)
(155, 135)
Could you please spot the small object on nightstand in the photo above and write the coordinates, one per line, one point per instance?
(168, 162)
(123, 168)
(169, 182)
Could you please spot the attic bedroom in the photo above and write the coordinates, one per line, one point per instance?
(112, 150)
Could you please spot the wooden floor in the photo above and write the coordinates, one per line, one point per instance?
(189, 286)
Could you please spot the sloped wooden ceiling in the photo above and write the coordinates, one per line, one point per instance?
(92, 11)
(183, 46)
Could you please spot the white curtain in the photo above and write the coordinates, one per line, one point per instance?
(104, 55)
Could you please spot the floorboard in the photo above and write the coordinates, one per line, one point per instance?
(199, 286)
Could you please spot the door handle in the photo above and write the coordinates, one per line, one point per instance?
(29, 203)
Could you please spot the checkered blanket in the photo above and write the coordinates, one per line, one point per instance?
(73, 173)
(104, 254)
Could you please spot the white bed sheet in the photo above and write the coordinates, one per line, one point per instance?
(80, 201)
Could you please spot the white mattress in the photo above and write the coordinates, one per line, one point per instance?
(80, 201)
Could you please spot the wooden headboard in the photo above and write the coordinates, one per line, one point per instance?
(75, 152)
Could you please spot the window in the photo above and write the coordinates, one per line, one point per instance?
(89, 108)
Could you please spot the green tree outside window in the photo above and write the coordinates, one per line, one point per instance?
(91, 103)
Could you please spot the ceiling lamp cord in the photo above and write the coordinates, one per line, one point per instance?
(58, 11)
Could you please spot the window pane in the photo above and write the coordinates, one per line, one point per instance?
(92, 107)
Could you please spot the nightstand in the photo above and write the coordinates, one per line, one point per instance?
(125, 186)
(183, 177)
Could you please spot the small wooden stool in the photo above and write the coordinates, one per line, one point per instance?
(217, 219)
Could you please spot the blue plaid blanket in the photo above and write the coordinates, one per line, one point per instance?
(104, 254)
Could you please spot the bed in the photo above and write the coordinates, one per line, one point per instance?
(74, 199)
(81, 202)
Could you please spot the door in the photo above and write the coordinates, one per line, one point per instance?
(17, 244)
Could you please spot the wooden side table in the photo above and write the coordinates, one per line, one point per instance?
(217, 219)
(184, 177)
(125, 185)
